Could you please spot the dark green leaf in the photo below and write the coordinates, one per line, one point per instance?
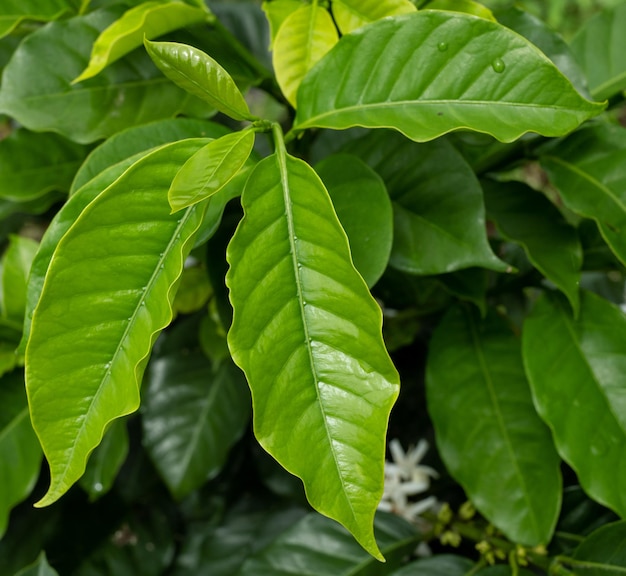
(321, 396)
(603, 553)
(443, 565)
(35, 164)
(503, 571)
(16, 264)
(462, 72)
(588, 170)
(13, 12)
(488, 433)
(528, 218)
(37, 91)
(469, 285)
(364, 210)
(84, 371)
(599, 46)
(39, 568)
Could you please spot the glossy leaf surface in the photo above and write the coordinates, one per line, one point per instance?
(440, 565)
(39, 568)
(210, 169)
(463, 6)
(462, 72)
(35, 164)
(16, 264)
(352, 14)
(304, 37)
(582, 360)
(37, 90)
(599, 47)
(439, 215)
(276, 12)
(316, 545)
(13, 12)
(193, 412)
(149, 20)
(364, 209)
(20, 454)
(528, 218)
(588, 170)
(200, 75)
(307, 333)
(603, 553)
(93, 330)
(489, 436)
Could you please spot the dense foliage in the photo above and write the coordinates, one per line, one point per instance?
(223, 267)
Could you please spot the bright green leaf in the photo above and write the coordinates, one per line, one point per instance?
(439, 216)
(20, 454)
(315, 546)
(200, 75)
(441, 565)
(39, 568)
(528, 218)
(13, 12)
(463, 6)
(599, 47)
(105, 461)
(148, 20)
(603, 553)
(276, 12)
(16, 264)
(321, 396)
(576, 370)
(35, 164)
(37, 90)
(210, 169)
(192, 414)
(462, 72)
(352, 14)
(489, 436)
(363, 207)
(304, 37)
(92, 330)
(589, 171)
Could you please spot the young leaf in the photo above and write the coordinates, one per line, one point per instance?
(210, 169)
(352, 14)
(37, 90)
(488, 433)
(35, 164)
(13, 13)
(588, 168)
(461, 72)
(322, 397)
(149, 20)
(92, 329)
(276, 12)
(603, 553)
(200, 75)
(304, 37)
(39, 568)
(598, 47)
(551, 244)
(576, 368)
(463, 6)
(16, 264)
(20, 454)
(363, 207)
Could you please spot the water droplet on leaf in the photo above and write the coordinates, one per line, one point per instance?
(442, 46)
(498, 65)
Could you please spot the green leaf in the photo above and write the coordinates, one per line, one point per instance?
(194, 290)
(441, 565)
(37, 90)
(210, 169)
(84, 371)
(276, 13)
(588, 170)
(192, 415)
(20, 454)
(13, 12)
(603, 553)
(463, 6)
(315, 546)
(575, 368)
(304, 37)
(439, 216)
(35, 164)
(598, 47)
(469, 285)
(200, 75)
(148, 20)
(551, 244)
(16, 264)
(363, 207)
(322, 398)
(461, 72)
(137, 139)
(39, 568)
(488, 433)
(352, 14)
(105, 461)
